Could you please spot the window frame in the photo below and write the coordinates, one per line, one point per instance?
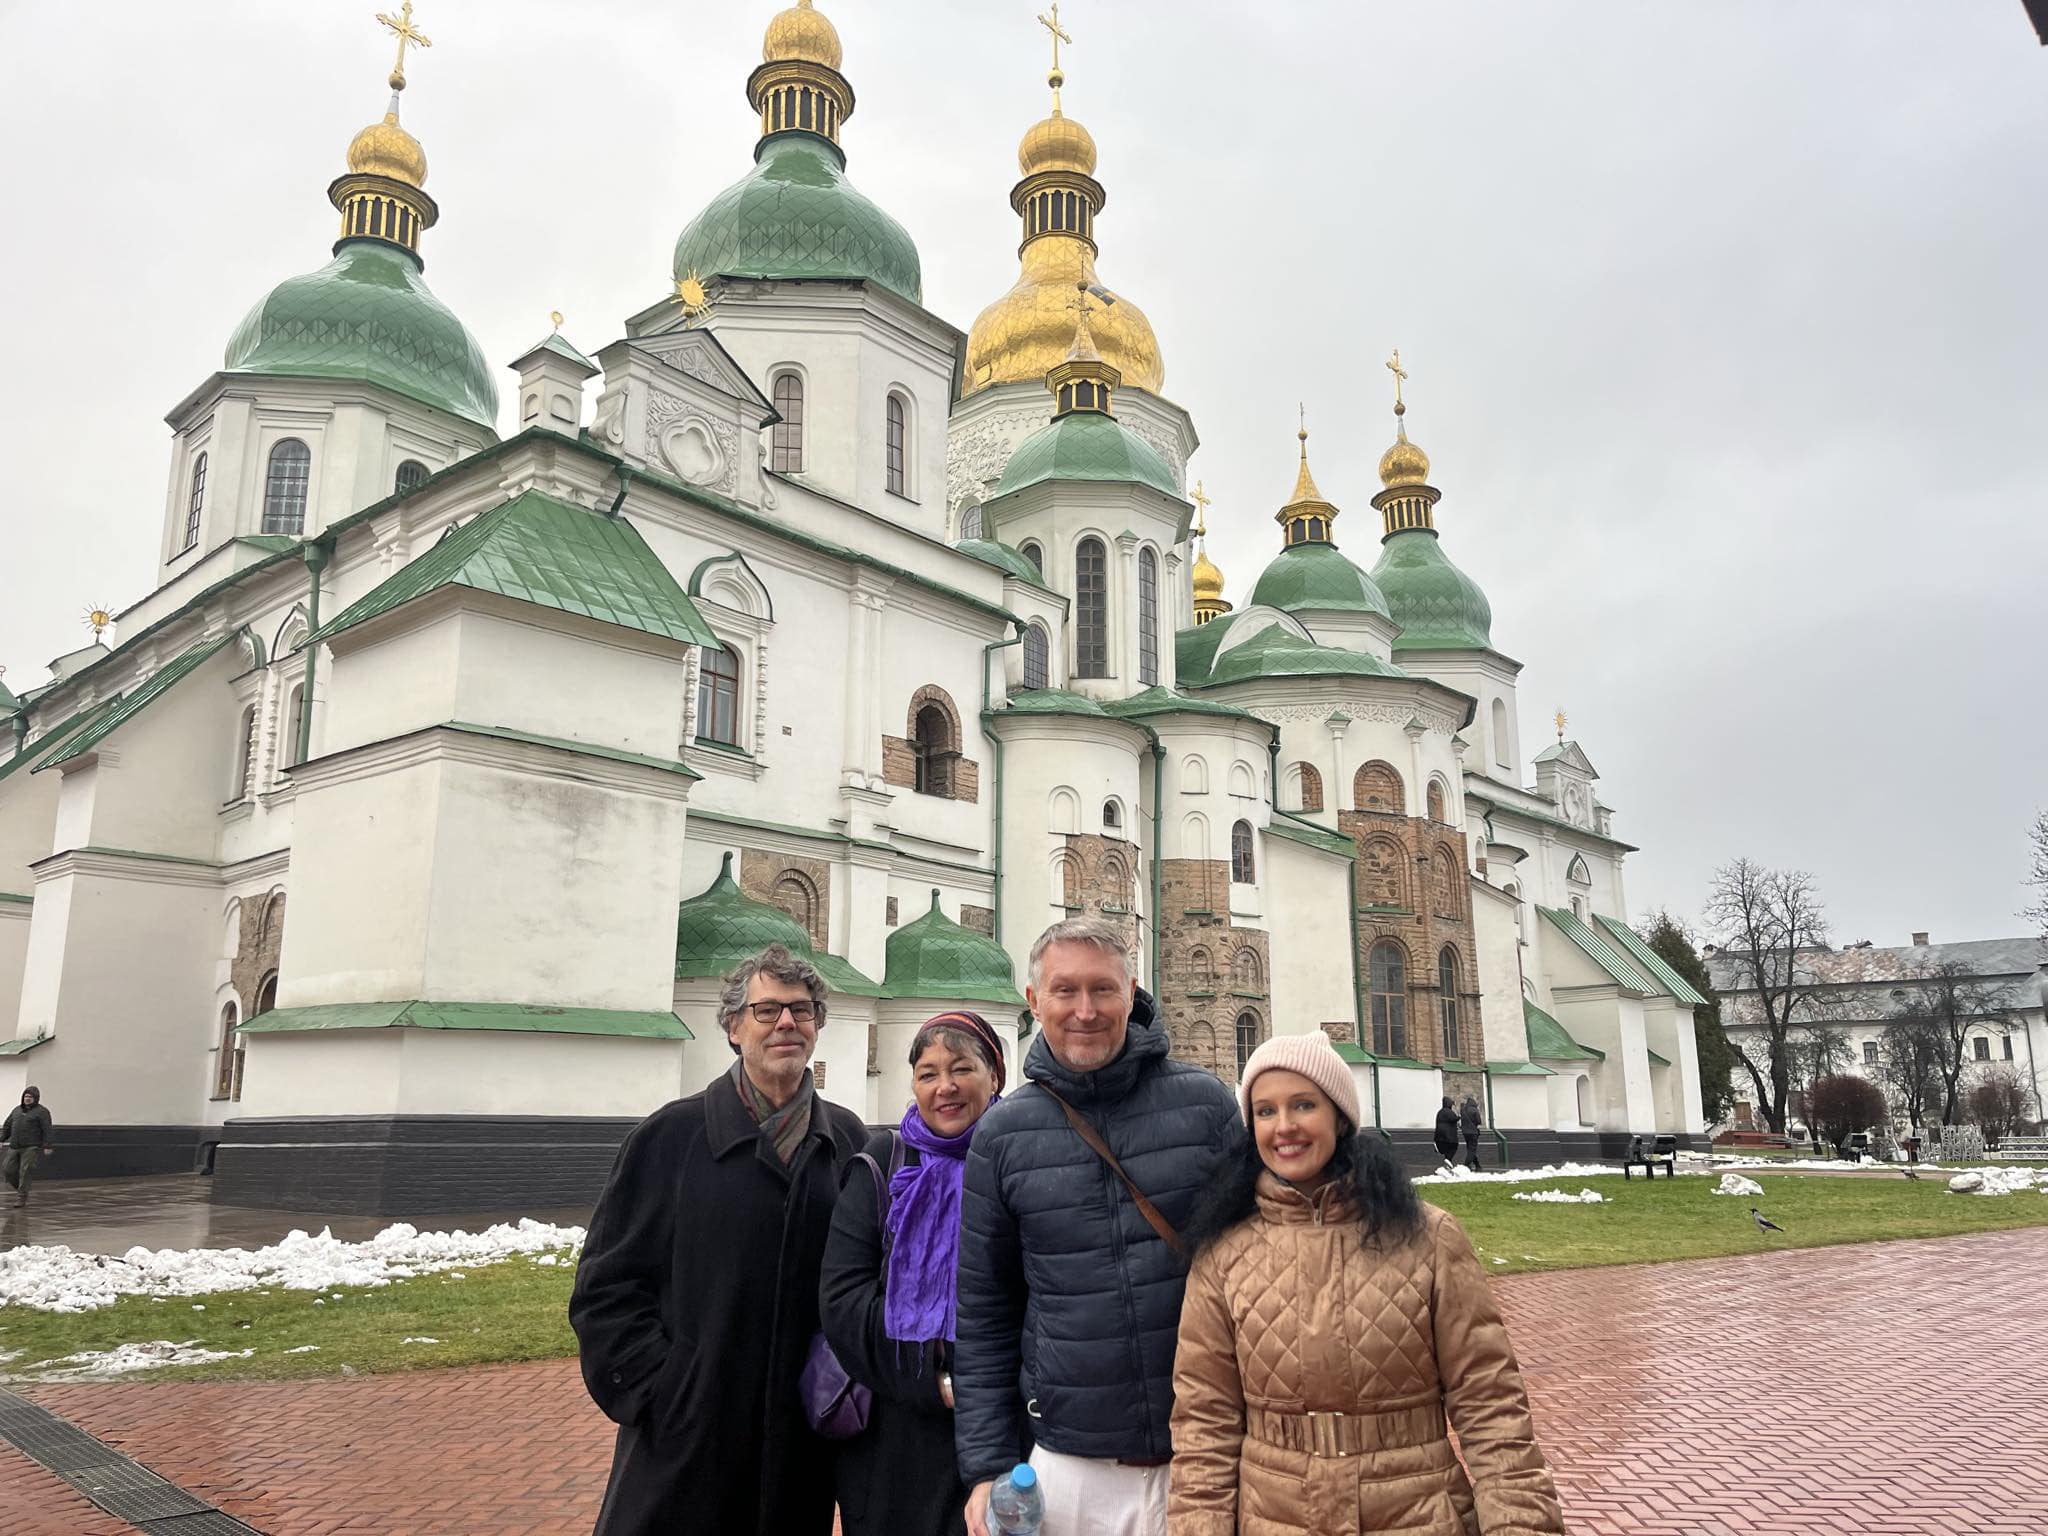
(1246, 1044)
(1091, 608)
(1148, 617)
(195, 502)
(1389, 1003)
(280, 514)
(1447, 988)
(1244, 862)
(708, 695)
(786, 436)
(1037, 658)
(398, 485)
(896, 444)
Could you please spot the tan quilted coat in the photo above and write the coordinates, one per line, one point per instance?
(1290, 1313)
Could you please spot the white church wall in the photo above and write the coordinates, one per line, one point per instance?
(1522, 1103)
(1309, 892)
(14, 928)
(1497, 936)
(1410, 1097)
(1612, 1024)
(1668, 1030)
(28, 823)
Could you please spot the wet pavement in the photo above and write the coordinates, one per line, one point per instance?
(111, 1216)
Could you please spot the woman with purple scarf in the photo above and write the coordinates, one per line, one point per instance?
(887, 1291)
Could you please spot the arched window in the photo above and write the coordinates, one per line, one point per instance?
(1577, 872)
(1579, 908)
(412, 474)
(266, 996)
(1500, 734)
(1383, 875)
(1377, 787)
(718, 696)
(245, 757)
(1037, 655)
(970, 521)
(1585, 1101)
(896, 433)
(786, 439)
(1246, 974)
(1242, 869)
(1435, 800)
(1091, 610)
(1194, 775)
(227, 1065)
(1031, 550)
(1148, 618)
(931, 743)
(1311, 782)
(1201, 971)
(1112, 816)
(1247, 1039)
(796, 895)
(1389, 987)
(284, 489)
(1066, 879)
(195, 504)
(1447, 995)
(1445, 880)
(292, 726)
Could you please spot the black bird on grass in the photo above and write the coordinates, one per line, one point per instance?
(1763, 1222)
(1911, 1174)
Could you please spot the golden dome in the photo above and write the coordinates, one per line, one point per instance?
(801, 35)
(1208, 578)
(385, 149)
(1026, 333)
(1404, 464)
(1056, 143)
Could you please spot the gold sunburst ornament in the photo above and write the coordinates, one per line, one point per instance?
(690, 294)
(99, 619)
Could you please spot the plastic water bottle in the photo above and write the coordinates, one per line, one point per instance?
(1016, 1505)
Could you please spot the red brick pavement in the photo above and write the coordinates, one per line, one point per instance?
(1874, 1389)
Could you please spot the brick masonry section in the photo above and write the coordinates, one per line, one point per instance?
(800, 887)
(1780, 1394)
(1211, 974)
(1413, 889)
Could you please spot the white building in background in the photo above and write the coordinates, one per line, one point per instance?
(391, 859)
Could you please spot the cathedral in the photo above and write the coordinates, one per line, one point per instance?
(391, 860)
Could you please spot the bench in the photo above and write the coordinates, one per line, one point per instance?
(2021, 1149)
(1662, 1149)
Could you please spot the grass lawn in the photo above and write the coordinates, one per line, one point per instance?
(517, 1309)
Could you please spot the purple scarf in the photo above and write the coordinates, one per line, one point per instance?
(924, 1234)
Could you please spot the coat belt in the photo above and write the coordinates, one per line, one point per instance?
(1347, 1434)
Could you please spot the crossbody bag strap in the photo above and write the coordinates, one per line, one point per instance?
(1100, 1148)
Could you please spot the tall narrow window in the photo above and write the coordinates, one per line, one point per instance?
(896, 425)
(970, 521)
(1148, 617)
(1036, 656)
(1091, 610)
(284, 488)
(786, 441)
(245, 757)
(196, 504)
(1447, 992)
(931, 746)
(1242, 869)
(1389, 985)
(294, 708)
(1434, 799)
(227, 1067)
(412, 474)
(1030, 550)
(1247, 1039)
(718, 696)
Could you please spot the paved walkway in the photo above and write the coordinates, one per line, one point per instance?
(1873, 1390)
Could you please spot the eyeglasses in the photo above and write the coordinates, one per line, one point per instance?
(803, 1010)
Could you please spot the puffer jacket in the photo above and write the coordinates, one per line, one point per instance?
(1315, 1375)
(1069, 1302)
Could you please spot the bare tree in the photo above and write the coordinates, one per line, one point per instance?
(1949, 1003)
(2037, 877)
(1766, 918)
(1840, 1104)
(1909, 1053)
(2000, 1102)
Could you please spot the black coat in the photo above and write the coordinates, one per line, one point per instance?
(1069, 1301)
(1447, 1130)
(1468, 1120)
(897, 1477)
(694, 1306)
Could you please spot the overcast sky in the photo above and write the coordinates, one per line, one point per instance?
(1725, 325)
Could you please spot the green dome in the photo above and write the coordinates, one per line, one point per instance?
(1317, 575)
(724, 926)
(368, 315)
(1011, 562)
(936, 958)
(1438, 607)
(796, 215)
(1086, 445)
(1274, 651)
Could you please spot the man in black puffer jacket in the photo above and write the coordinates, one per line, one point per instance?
(1069, 1299)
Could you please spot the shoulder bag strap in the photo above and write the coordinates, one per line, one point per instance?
(1100, 1148)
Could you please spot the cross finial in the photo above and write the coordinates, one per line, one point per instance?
(1560, 727)
(1201, 500)
(1302, 408)
(408, 35)
(1400, 376)
(1059, 35)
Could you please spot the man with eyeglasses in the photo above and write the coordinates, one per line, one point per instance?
(697, 1294)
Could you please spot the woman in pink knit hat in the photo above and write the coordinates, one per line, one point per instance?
(1335, 1329)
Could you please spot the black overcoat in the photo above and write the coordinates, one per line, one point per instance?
(898, 1477)
(694, 1305)
(1447, 1131)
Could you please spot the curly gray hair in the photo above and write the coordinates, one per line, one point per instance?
(778, 964)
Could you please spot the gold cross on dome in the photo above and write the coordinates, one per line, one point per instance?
(1052, 25)
(1400, 374)
(1560, 725)
(1201, 500)
(408, 34)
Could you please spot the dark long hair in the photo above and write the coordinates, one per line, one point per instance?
(1362, 1168)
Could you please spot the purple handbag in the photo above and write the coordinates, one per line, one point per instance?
(835, 1405)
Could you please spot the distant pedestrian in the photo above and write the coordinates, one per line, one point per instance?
(1447, 1132)
(26, 1133)
(697, 1297)
(1468, 1122)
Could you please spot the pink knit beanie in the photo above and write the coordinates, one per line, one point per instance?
(1311, 1055)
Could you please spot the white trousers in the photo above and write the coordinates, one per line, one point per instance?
(1085, 1497)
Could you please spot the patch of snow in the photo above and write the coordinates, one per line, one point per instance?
(1500, 1261)
(1736, 1184)
(57, 1279)
(304, 1349)
(123, 1359)
(547, 1258)
(1562, 1196)
(1999, 1181)
(421, 1340)
(1461, 1175)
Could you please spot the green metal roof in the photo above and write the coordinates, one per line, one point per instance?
(20, 1047)
(368, 315)
(1161, 700)
(936, 958)
(12, 898)
(1598, 950)
(1655, 1059)
(1052, 701)
(1010, 561)
(46, 745)
(543, 551)
(1438, 607)
(1648, 960)
(1312, 837)
(1517, 1069)
(558, 344)
(522, 1018)
(1317, 575)
(1086, 445)
(1273, 652)
(9, 704)
(133, 703)
(1550, 1040)
(796, 215)
(724, 926)
(1356, 1055)
(269, 543)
